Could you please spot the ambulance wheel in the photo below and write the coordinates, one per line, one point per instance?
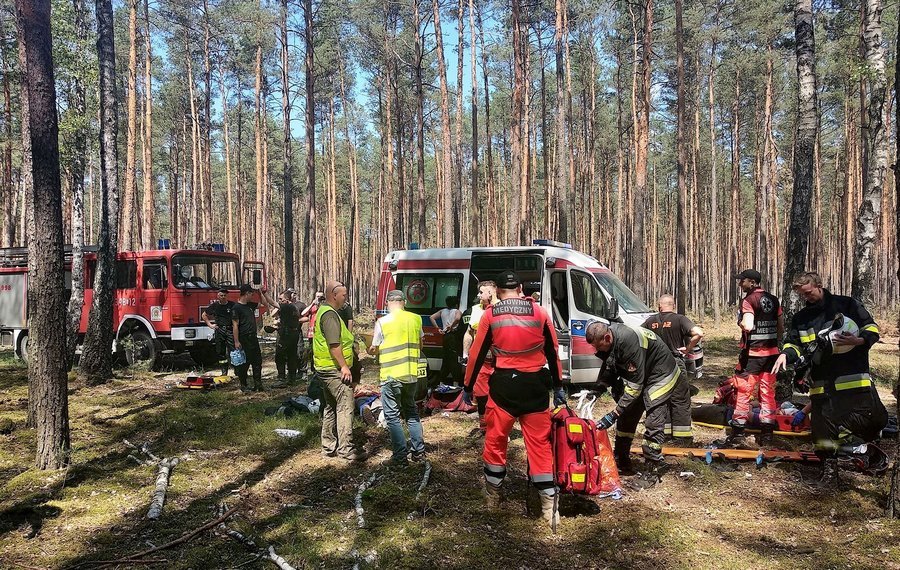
(140, 347)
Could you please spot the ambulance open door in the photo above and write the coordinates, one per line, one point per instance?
(586, 301)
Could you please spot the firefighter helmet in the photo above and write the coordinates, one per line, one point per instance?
(849, 326)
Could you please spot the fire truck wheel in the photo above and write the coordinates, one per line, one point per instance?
(141, 347)
(23, 347)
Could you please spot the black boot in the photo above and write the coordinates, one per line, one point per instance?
(622, 456)
(830, 480)
(649, 476)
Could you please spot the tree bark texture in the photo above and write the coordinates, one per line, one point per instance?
(876, 153)
(47, 327)
(681, 237)
(805, 143)
(97, 357)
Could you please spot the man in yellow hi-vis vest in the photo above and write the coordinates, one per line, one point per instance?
(398, 343)
(333, 354)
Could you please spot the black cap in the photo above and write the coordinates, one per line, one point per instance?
(246, 288)
(508, 280)
(749, 274)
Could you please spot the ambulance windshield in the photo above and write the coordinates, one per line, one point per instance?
(204, 272)
(615, 288)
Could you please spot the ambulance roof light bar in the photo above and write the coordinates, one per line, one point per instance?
(551, 243)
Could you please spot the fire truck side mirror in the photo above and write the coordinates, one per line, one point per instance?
(257, 279)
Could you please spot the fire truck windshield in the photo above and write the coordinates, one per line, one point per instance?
(204, 272)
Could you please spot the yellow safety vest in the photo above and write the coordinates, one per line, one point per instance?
(321, 354)
(398, 354)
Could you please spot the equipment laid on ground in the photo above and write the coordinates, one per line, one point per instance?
(445, 398)
(582, 456)
(760, 456)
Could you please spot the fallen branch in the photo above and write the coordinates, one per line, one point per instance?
(133, 559)
(162, 484)
(279, 561)
(246, 541)
(360, 513)
(425, 477)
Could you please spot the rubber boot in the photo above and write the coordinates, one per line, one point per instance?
(684, 442)
(550, 509)
(622, 456)
(648, 477)
(492, 496)
(830, 479)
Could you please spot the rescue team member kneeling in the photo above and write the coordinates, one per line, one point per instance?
(847, 413)
(653, 381)
(516, 330)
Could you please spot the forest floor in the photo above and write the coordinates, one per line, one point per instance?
(303, 504)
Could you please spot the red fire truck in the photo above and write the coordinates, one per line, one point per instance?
(159, 297)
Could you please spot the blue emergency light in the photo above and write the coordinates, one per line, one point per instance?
(551, 243)
(414, 245)
(220, 247)
(163, 243)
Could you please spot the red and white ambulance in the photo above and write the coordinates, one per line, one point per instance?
(574, 289)
(159, 297)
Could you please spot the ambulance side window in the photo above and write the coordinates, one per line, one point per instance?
(587, 295)
(559, 300)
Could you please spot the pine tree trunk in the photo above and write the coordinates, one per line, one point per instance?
(642, 147)
(451, 224)
(97, 357)
(9, 190)
(477, 237)
(463, 230)
(562, 191)
(79, 151)
(490, 230)
(206, 199)
(734, 233)
(714, 217)
(229, 188)
(418, 55)
(287, 152)
(128, 206)
(148, 209)
(46, 370)
(807, 133)
(876, 153)
(517, 161)
(682, 236)
(309, 236)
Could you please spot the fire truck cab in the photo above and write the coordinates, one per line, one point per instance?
(574, 288)
(159, 298)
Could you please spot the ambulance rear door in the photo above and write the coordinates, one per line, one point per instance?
(586, 301)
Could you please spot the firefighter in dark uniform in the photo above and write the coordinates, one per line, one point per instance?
(526, 366)
(762, 328)
(220, 311)
(847, 413)
(681, 335)
(652, 379)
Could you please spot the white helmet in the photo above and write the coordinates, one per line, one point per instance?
(849, 327)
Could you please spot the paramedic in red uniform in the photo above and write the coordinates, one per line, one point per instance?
(526, 368)
(762, 326)
(487, 294)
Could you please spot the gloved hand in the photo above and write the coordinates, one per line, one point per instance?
(467, 397)
(798, 418)
(608, 420)
(559, 397)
